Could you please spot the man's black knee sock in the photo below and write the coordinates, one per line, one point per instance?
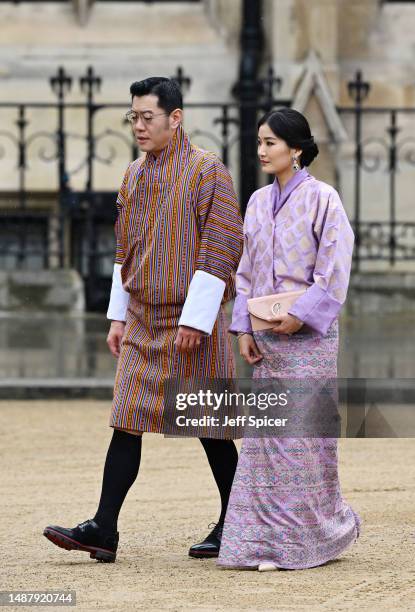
(223, 458)
(120, 471)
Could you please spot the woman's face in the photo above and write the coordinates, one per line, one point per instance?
(274, 154)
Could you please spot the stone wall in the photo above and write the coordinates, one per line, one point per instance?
(377, 38)
(124, 42)
(59, 291)
(128, 41)
(380, 293)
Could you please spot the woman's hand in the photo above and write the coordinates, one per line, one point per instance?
(248, 349)
(286, 324)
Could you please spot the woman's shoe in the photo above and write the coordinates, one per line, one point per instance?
(267, 567)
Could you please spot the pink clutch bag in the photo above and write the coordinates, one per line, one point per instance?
(261, 308)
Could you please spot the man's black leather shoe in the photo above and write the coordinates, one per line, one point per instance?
(88, 536)
(210, 546)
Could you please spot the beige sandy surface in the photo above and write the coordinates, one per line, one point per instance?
(52, 455)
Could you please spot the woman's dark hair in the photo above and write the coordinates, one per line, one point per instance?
(292, 127)
(167, 90)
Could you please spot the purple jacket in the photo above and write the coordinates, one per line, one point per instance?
(298, 239)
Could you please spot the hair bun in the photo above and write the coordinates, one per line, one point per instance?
(306, 144)
(310, 151)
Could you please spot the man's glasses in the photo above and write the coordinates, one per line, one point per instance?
(147, 117)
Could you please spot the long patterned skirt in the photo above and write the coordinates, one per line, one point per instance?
(286, 505)
(148, 358)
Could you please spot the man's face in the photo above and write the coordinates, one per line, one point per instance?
(153, 127)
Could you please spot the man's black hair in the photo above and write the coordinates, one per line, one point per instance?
(167, 90)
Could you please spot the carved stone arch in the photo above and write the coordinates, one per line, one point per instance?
(314, 83)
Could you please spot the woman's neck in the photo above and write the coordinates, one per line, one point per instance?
(284, 177)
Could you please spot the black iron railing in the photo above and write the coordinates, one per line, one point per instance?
(67, 221)
(392, 147)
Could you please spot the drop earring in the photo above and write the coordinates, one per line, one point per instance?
(296, 165)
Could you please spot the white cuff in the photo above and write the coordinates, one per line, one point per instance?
(117, 309)
(203, 301)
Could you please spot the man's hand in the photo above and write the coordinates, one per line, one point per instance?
(115, 336)
(187, 339)
(248, 349)
(286, 324)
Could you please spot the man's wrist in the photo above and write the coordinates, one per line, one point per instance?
(194, 329)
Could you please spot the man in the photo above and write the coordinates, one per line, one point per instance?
(179, 241)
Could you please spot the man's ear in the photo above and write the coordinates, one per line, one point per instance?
(176, 118)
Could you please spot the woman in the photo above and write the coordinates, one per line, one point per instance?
(286, 509)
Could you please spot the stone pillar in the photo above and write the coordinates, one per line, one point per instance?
(295, 28)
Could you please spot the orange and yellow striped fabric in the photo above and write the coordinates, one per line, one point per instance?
(177, 213)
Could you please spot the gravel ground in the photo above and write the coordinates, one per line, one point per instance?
(52, 455)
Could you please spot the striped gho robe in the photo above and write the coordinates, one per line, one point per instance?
(179, 242)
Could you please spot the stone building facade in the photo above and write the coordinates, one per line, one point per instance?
(315, 46)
